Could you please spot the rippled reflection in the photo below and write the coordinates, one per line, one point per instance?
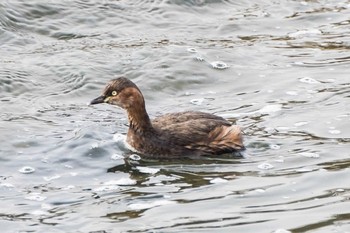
(278, 69)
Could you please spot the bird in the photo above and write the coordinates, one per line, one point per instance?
(172, 135)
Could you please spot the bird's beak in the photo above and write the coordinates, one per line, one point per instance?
(99, 100)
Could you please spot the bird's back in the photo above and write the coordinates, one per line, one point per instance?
(198, 133)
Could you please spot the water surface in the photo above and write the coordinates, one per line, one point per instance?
(279, 69)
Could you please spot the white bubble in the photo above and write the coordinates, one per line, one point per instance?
(192, 50)
(275, 147)
(134, 157)
(219, 65)
(308, 80)
(265, 166)
(26, 170)
(197, 101)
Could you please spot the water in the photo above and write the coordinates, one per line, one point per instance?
(280, 69)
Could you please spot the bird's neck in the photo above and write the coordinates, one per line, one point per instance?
(139, 120)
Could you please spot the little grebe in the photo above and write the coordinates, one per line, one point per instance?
(172, 135)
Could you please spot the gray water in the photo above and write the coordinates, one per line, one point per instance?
(279, 69)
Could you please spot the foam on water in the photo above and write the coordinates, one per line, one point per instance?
(192, 50)
(220, 65)
(308, 80)
(275, 147)
(278, 70)
(135, 157)
(27, 170)
(265, 166)
(197, 101)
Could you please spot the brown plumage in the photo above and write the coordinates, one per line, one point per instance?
(172, 135)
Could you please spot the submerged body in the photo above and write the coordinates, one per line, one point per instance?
(172, 135)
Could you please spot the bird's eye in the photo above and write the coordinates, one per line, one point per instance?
(114, 93)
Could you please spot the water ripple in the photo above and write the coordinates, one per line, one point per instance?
(278, 69)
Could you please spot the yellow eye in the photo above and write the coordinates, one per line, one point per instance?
(114, 93)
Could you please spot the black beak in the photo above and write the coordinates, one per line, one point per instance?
(98, 100)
